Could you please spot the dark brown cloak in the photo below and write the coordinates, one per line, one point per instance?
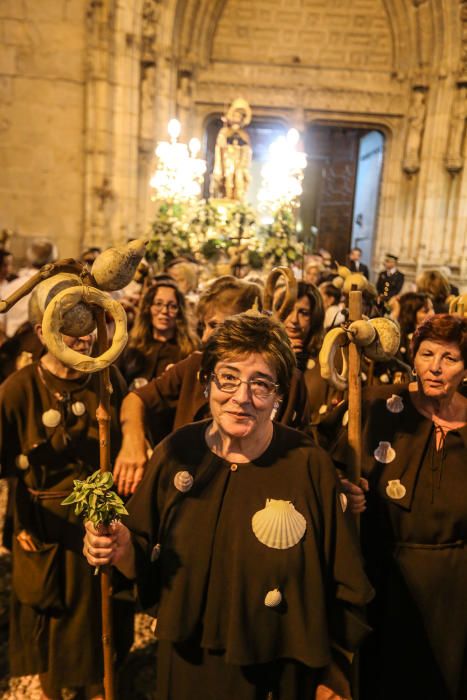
(214, 572)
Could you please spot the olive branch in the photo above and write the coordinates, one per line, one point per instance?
(95, 500)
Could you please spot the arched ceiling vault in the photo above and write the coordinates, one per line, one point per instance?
(418, 31)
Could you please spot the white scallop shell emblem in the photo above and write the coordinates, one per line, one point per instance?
(311, 363)
(395, 404)
(384, 453)
(273, 598)
(345, 418)
(156, 551)
(22, 461)
(51, 418)
(183, 481)
(384, 378)
(78, 408)
(278, 525)
(395, 489)
(138, 382)
(344, 501)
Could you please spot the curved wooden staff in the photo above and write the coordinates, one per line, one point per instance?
(52, 322)
(458, 305)
(290, 296)
(378, 339)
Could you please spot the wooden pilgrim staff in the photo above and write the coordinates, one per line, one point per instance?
(377, 339)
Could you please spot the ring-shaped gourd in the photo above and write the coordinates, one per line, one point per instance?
(52, 322)
(334, 339)
(458, 305)
(290, 296)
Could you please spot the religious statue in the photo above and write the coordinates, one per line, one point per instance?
(454, 156)
(232, 156)
(148, 88)
(411, 162)
(184, 100)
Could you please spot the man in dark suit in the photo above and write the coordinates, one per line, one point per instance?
(390, 280)
(355, 264)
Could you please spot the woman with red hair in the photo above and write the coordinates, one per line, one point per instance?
(414, 530)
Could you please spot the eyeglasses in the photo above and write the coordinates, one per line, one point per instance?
(172, 307)
(229, 383)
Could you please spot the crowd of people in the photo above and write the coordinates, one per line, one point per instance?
(232, 455)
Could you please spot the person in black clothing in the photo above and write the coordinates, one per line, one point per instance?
(390, 280)
(355, 264)
(414, 439)
(245, 609)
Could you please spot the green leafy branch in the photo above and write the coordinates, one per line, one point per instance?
(95, 500)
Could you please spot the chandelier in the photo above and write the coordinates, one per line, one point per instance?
(179, 173)
(282, 174)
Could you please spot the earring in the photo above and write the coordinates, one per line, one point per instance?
(206, 392)
(414, 372)
(276, 405)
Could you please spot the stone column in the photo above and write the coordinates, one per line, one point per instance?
(99, 192)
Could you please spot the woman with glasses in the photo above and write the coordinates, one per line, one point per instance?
(161, 335)
(176, 397)
(240, 540)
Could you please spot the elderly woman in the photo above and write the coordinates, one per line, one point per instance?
(49, 437)
(239, 538)
(160, 336)
(415, 527)
(177, 398)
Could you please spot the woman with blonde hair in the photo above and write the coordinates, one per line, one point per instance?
(161, 335)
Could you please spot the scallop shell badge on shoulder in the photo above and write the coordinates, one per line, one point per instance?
(183, 481)
(384, 453)
(278, 525)
(395, 404)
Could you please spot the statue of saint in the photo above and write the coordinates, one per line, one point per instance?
(232, 155)
(411, 163)
(454, 156)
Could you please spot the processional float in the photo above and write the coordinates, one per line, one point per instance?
(75, 301)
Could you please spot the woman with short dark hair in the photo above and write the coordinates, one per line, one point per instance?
(415, 528)
(176, 397)
(240, 539)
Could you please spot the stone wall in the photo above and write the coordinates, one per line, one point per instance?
(88, 87)
(41, 119)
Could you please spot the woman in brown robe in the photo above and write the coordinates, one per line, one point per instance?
(48, 438)
(177, 397)
(414, 530)
(241, 541)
